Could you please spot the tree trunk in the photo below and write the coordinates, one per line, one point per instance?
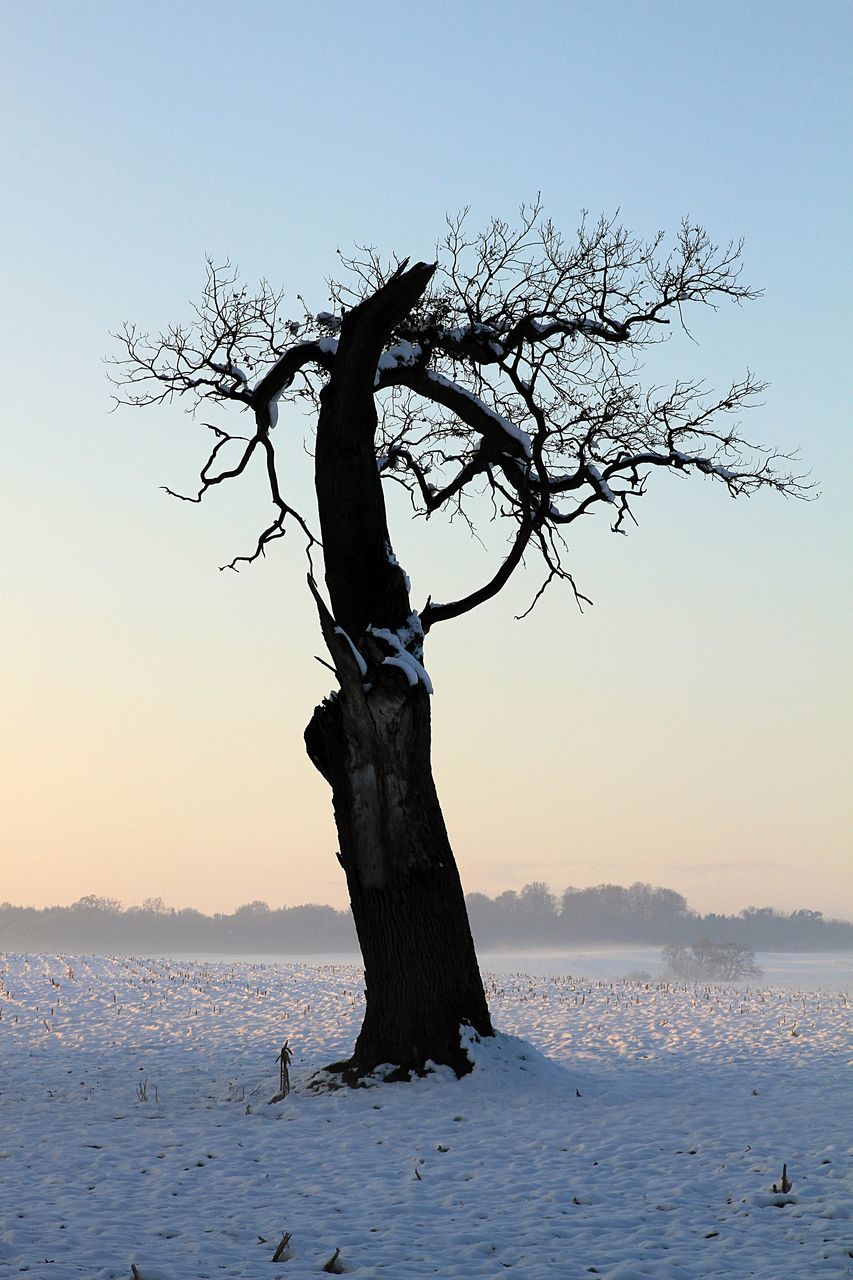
(371, 740)
(421, 975)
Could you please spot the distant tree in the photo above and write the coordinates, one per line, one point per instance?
(736, 960)
(655, 906)
(537, 901)
(707, 961)
(507, 369)
(612, 913)
(91, 902)
(156, 906)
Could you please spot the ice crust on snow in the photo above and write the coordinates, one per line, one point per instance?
(615, 1128)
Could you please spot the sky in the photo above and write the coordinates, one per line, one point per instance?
(693, 728)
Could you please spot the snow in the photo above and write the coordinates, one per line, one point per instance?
(408, 662)
(555, 324)
(707, 465)
(600, 483)
(392, 560)
(412, 634)
(272, 409)
(329, 320)
(362, 665)
(402, 354)
(411, 668)
(615, 1129)
(232, 371)
(514, 432)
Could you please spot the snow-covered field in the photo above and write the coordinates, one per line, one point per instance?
(135, 1128)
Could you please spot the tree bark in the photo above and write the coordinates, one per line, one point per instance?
(371, 740)
(422, 980)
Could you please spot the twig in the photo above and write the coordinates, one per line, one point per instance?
(285, 1241)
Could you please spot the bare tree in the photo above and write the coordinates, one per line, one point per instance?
(707, 961)
(508, 369)
(735, 960)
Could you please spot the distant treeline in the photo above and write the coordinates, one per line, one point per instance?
(103, 926)
(607, 914)
(612, 914)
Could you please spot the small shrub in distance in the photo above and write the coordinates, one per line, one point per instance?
(707, 961)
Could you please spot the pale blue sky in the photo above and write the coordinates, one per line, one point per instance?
(698, 717)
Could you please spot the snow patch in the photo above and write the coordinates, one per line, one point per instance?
(362, 665)
(404, 641)
(600, 483)
(272, 408)
(515, 433)
(328, 320)
(706, 464)
(230, 370)
(403, 354)
(392, 560)
(510, 1056)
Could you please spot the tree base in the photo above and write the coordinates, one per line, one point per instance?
(359, 1072)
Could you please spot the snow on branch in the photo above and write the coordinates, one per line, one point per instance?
(359, 660)
(469, 408)
(516, 373)
(406, 645)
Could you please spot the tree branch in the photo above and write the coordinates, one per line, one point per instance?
(510, 367)
(432, 613)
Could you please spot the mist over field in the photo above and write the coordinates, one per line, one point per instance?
(606, 915)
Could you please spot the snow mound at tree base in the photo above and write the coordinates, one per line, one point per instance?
(504, 1061)
(508, 1059)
